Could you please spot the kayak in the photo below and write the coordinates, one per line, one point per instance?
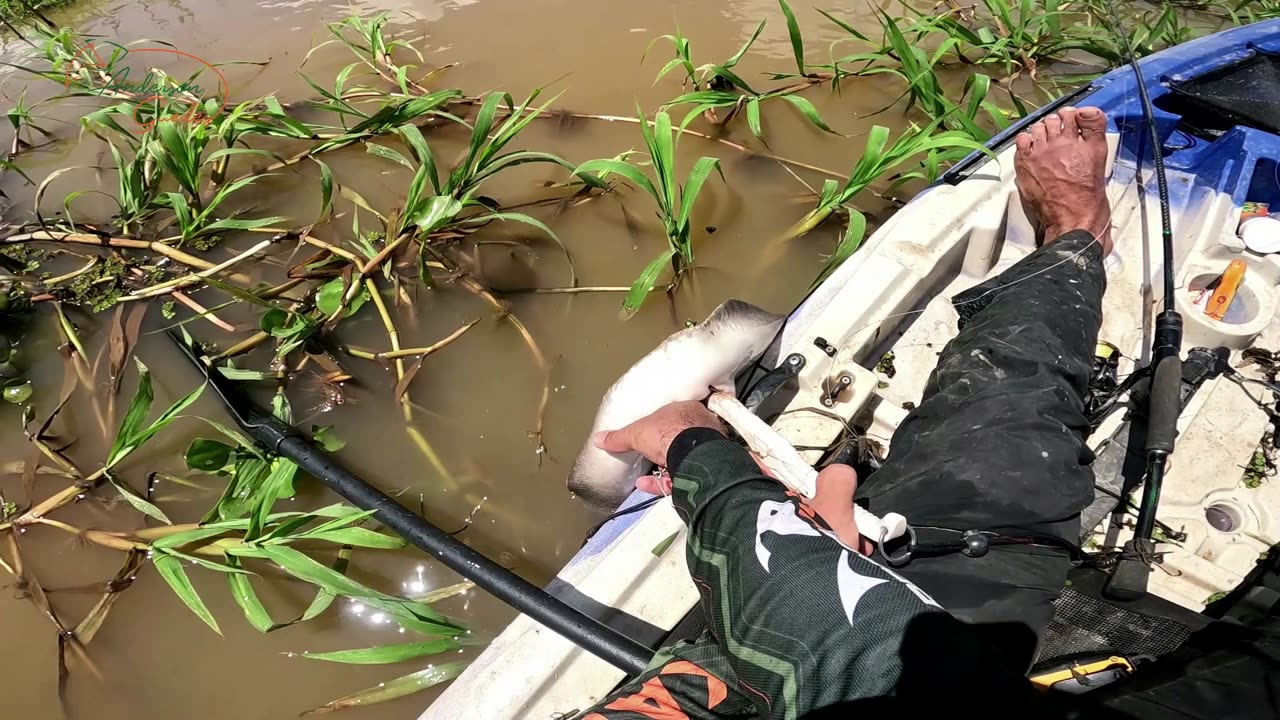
(878, 322)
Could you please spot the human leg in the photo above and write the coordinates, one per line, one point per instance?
(998, 440)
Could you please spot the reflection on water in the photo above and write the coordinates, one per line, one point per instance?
(477, 401)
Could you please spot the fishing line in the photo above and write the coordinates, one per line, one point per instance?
(1071, 258)
(1164, 404)
(759, 363)
(1162, 183)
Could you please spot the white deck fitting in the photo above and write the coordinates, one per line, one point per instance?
(895, 294)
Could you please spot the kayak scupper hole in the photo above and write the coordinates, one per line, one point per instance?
(1223, 517)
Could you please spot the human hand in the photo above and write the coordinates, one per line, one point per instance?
(652, 434)
(833, 502)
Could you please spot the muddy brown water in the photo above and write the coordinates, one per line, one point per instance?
(477, 401)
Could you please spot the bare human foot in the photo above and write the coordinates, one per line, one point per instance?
(1060, 165)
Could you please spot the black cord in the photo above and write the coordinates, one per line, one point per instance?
(643, 505)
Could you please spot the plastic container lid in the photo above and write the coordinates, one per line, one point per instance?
(1261, 235)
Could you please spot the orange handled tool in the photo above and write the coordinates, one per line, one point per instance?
(1225, 293)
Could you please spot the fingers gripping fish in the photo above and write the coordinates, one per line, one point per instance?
(684, 367)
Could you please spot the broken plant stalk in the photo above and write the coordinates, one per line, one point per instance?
(406, 408)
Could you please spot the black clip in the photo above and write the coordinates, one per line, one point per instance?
(841, 384)
(773, 381)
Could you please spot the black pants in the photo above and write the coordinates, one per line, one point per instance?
(802, 626)
(998, 441)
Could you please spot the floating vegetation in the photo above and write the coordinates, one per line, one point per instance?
(674, 199)
(1262, 464)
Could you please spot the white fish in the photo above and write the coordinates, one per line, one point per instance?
(686, 366)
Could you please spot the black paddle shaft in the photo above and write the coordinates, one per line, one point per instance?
(586, 632)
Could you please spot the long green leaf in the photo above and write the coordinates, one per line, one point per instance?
(326, 190)
(242, 224)
(300, 566)
(278, 484)
(640, 288)
(136, 438)
(247, 598)
(386, 654)
(218, 154)
(797, 40)
(170, 568)
(753, 118)
(435, 213)
(614, 166)
(141, 504)
(359, 537)
(186, 537)
(479, 134)
(810, 112)
(746, 46)
(662, 152)
(387, 153)
(392, 689)
(697, 177)
(849, 244)
(427, 172)
(137, 413)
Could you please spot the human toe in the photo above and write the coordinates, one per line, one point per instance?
(1091, 121)
(1070, 127)
(1052, 126)
(1038, 133)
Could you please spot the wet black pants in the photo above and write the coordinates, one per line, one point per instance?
(998, 442)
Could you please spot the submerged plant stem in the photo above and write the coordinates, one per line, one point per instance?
(410, 352)
(169, 286)
(126, 243)
(570, 290)
(406, 407)
(61, 498)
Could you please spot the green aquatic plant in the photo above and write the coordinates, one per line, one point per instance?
(23, 118)
(675, 200)
(436, 203)
(879, 158)
(1150, 29)
(901, 55)
(925, 90)
(718, 87)
(13, 11)
(241, 533)
(1249, 11)
(1017, 35)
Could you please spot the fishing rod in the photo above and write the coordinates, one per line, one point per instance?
(1129, 581)
(286, 441)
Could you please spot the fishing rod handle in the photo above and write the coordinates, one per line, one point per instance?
(790, 469)
(1165, 405)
